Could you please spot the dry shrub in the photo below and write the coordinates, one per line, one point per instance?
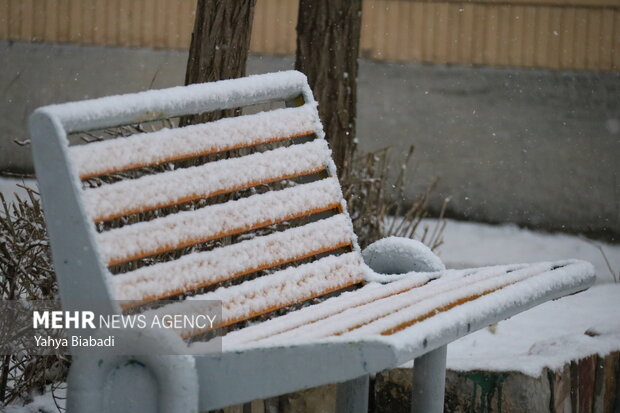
(26, 274)
(379, 208)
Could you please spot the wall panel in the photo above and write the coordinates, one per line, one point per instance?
(554, 34)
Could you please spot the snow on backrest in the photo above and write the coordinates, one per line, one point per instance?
(246, 209)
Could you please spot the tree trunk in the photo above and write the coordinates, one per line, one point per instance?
(328, 38)
(219, 47)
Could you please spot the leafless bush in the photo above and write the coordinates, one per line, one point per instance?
(378, 206)
(26, 273)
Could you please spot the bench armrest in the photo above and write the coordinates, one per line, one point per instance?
(398, 255)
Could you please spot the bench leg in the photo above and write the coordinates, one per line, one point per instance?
(429, 382)
(352, 395)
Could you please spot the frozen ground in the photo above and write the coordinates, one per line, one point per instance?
(546, 336)
(470, 244)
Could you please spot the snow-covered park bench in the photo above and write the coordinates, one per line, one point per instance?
(384, 306)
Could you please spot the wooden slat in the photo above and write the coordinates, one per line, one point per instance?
(326, 309)
(208, 180)
(147, 149)
(188, 228)
(353, 313)
(278, 290)
(206, 268)
(430, 302)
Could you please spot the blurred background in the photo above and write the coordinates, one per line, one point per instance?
(513, 104)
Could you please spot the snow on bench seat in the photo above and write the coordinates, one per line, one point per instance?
(274, 291)
(224, 176)
(414, 305)
(146, 149)
(339, 314)
(421, 298)
(187, 228)
(205, 268)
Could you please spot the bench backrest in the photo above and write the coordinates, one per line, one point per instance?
(211, 208)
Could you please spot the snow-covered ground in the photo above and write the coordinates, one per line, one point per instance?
(9, 187)
(547, 336)
(471, 244)
(553, 333)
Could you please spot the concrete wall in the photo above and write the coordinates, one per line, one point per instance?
(534, 147)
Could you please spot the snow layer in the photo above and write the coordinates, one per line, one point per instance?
(549, 335)
(194, 270)
(170, 102)
(282, 288)
(471, 244)
(169, 188)
(328, 308)
(189, 227)
(169, 144)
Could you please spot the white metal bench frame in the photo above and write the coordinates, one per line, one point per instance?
(197, 383)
